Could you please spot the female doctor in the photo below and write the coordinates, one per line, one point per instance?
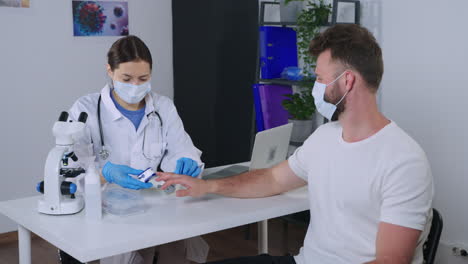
(132, 128)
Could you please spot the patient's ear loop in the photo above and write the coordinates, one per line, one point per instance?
(342, 98)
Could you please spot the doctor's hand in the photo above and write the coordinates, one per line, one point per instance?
(188, 167)
(120, 174)
(193, 186)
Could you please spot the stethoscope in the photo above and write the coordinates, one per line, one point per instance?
(104, 152)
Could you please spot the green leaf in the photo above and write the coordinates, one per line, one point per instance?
(308, 26)
(300, 105)
(288, 1)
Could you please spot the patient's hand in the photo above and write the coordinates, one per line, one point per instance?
(193, 186)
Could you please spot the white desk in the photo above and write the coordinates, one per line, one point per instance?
(167, 220)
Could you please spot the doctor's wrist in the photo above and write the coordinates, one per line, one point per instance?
(105, 172)
(102, 179)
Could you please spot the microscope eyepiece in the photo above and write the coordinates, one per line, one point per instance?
(83, 117)
(63, 116)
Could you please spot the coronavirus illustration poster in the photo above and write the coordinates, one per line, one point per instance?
(14, 3)
(100, 18)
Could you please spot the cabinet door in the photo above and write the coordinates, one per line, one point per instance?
(215, 46)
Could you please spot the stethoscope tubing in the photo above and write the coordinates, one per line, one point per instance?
(105, 153)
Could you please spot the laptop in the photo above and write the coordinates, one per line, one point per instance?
(270, 148)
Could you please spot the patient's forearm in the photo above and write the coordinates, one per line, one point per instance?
(252, 184)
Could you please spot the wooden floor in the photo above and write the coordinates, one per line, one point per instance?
(224, 244)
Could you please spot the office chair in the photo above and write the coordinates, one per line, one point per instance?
(432, 242)
(64, 258)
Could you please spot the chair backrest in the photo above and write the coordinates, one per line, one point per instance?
(432, 242)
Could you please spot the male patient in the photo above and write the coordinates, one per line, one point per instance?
(370, 184)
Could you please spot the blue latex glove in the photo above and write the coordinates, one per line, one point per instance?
(120, 174)
(188, 167)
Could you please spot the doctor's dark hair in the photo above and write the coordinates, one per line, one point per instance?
(126, 49)
(355, 47)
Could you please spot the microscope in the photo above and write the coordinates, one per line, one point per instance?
(59, 195)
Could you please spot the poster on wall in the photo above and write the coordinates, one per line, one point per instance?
(100, 18)
(14, 3)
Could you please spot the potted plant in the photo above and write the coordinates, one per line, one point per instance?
(310, 20)
(301, 108)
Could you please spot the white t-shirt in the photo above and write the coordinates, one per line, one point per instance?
(354, 186)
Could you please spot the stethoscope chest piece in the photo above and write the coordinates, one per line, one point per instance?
(104, 154)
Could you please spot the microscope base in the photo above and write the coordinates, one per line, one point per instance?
(66, 206)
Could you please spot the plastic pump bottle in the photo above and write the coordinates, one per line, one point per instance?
(93, 199)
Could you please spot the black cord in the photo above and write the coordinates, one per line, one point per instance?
(160, 119)
(99, 121)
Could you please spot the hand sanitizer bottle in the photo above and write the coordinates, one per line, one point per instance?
(93, 200)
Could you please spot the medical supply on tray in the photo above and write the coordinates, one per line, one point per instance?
(122, 202)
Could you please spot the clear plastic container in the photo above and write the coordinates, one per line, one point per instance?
(122, 202)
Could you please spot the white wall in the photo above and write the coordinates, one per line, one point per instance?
(425, 48)
(43, 69)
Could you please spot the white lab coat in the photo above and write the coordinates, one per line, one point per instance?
(162, 146)
(125, 145)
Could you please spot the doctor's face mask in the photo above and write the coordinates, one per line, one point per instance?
(131, 81)
(132, 93)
